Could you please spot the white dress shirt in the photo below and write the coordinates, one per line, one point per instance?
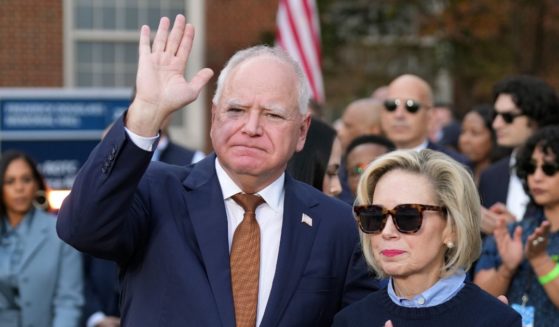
(517, 199)
(422, 146)
(269, 216)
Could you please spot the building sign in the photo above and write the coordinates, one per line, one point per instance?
(58, 128)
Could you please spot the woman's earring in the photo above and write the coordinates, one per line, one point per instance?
(450, 244)
(40, 200)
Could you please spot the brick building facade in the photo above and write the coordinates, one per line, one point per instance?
(31, 43)
(31, 35)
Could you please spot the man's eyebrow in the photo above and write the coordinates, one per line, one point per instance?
(236, 103)
(274, 108)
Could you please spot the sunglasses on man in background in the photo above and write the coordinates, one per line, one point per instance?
(412, 106)
(508, 116)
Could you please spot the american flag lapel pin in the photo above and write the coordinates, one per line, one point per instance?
(306, 220)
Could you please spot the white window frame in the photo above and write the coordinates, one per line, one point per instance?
(189, 126)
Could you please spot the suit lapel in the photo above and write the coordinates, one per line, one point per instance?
(296, 243)
(39, 229)
(208, 216)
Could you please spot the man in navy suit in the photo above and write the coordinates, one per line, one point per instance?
(170, 228)
(407, 114)
(522, 104)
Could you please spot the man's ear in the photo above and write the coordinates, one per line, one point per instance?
(303, 131)
(214, 113)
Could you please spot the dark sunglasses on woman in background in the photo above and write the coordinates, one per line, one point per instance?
(548, 168)
(508, 117)
(411, 106)
(407, 218)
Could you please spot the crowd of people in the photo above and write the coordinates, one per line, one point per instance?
(399, 214)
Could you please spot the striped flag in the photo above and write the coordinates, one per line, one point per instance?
(298, 32)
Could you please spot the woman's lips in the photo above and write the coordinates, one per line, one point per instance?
(391, 253)
(537, 191)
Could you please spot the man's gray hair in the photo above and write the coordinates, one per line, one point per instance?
(262, 50)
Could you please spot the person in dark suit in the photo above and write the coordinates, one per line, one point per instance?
(407, 114)
(172, 153)
(102, 292)
(522, 104)
(173, 229)
(309, 165)
(102, 289)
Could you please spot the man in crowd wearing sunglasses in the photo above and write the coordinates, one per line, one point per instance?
(522, 104)
(407, 113)
(231, 240)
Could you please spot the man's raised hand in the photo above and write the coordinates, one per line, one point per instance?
(161, 87)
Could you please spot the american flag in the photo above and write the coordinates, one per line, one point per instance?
(298, 32)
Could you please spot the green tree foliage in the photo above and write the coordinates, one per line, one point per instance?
(367, 43)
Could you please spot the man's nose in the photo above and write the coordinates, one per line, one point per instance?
(253, 123)
(400, 109)
(335, 186)
(497, 122)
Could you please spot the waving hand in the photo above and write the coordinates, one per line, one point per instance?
(161, 87)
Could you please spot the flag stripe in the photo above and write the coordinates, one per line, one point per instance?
(311, 47)
(299, 45)
(313, 27)
(298, 32)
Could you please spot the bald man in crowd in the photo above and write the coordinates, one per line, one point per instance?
(361, 117)
(407, 114)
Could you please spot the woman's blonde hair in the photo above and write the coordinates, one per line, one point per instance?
(454, 189)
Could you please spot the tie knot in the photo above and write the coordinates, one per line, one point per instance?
(249, 202)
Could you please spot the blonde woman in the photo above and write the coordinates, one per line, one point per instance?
(419, 216)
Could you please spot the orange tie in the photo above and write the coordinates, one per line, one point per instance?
(245, 261)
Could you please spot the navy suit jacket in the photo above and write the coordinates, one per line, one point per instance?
(451, 153)
(176, 155)
(494, 183)
(166, 226)
(101, 287)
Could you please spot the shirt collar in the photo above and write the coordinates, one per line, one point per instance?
(22, 228)
(163, 143)
(272, 193)
(512, 161)
(422, 146)
(442, 291)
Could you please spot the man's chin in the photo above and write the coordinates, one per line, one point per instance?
(247, 166)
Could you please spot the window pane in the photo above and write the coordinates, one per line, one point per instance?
(154, 15)
(107, 79)
(131, 19)
(83, 16)
(129, 79)
(84, 52)
(84, 79)
(130, 52)
(108, 18)
(107, 52)
(103, 61)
